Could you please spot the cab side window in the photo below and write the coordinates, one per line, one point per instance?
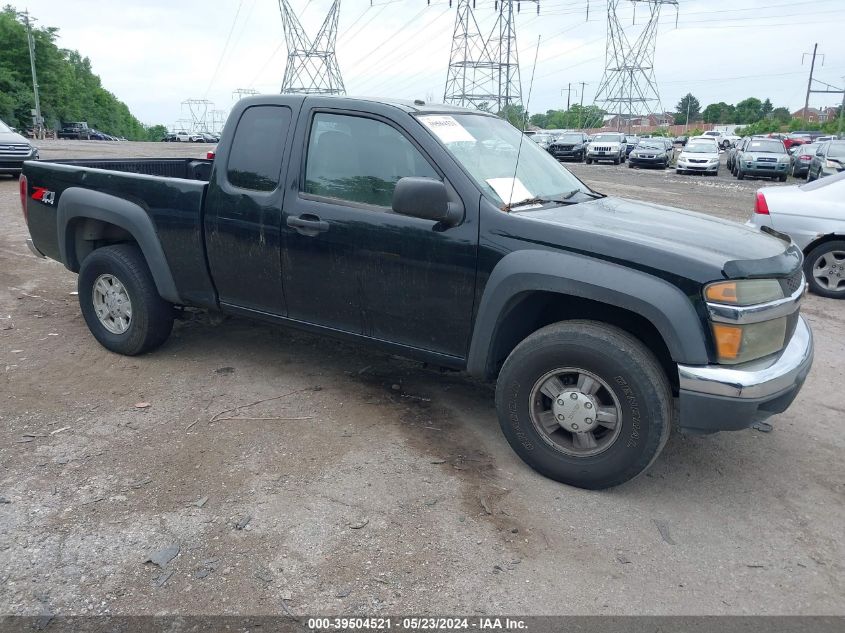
(359, 160)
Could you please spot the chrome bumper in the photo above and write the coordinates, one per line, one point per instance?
(31, 246)
(758, 379)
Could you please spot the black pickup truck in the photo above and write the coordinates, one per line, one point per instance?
(438, 234)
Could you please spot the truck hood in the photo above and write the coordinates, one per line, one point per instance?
(667, 239)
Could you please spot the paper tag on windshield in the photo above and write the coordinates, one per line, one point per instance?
(447, 129)
(511, 190)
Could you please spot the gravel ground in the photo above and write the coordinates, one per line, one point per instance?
(388, 487)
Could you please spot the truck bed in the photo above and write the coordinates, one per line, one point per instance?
(169, 191)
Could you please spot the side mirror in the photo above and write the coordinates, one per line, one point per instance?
(820, 153)
(425, 198)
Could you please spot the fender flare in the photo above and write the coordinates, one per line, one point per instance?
(76, 202)
(665, 306)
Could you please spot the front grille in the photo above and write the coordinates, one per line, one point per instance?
(563, 148)
(602, 148)
(792, 283)
(15, 149)
(763, 159)
(697, 160)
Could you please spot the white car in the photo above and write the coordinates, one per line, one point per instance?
(813, 215)
(701, 155)
(607, 146)
(717, 136)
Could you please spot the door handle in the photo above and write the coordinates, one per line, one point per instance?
(308, 224)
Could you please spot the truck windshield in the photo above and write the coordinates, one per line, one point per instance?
(487, 148)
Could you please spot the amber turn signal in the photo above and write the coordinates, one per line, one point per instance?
(724, 292)
(728, 340)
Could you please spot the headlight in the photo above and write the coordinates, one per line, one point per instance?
(745, 292)
(743, 343)
(739, 343)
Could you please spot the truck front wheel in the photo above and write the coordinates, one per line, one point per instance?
(120, 303)
(584, 403)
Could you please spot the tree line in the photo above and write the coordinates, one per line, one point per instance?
(68, 88)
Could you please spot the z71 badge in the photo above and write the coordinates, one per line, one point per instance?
(43, 195)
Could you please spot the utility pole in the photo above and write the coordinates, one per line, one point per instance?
(568, 94)
(581, 111)
(689, 98)
(842, 108)
(37, 120)
(810, 81)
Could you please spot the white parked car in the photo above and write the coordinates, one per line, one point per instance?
(813, 215)
(700, 154)
(607, 146)
(719, 137)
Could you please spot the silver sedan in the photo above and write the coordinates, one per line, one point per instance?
(813, 215)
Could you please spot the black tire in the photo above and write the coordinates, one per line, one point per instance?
(589, 161)
(810, 262)
(616, 161)
(739, 174)
(630, 165)
(639, 386)
(783, 178)
(151, 316)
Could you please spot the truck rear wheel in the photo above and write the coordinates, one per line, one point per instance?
(120, 303)
(584, 403)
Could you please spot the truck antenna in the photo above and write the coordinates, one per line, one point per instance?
(524, 121)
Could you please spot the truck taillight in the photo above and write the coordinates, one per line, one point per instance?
(209, 155)
(761, 207)
(24, 189)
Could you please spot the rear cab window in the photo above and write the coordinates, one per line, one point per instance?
(255, 157)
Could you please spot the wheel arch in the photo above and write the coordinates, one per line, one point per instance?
(88, 219)
(521, 297)
(823, 239)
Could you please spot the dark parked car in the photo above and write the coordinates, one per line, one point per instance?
(414, 229)
(570, 146)
(800, 157)
(630, 144)
(681, 140)
(733, 151)
(828, 160)
(651, 152)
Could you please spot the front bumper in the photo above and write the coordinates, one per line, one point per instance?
(611, 155)
(720, 398)
(702, 167)
(651, 162)
(771, 170)
(14, 164)
(567, 154)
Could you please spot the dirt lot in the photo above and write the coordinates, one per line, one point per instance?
(390, 488)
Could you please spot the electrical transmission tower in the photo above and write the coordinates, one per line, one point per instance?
(198, 110)
(628, 88)
(312, 65)
(484, 70)
(240, 93)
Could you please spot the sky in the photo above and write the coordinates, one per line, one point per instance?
(155, 54)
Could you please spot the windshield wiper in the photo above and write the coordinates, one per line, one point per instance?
(526, 202)
(565, 199)
(591, 194)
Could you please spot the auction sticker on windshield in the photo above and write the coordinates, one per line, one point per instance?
(447, 129)
(510, 190)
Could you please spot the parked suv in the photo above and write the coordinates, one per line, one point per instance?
(14, 150)
(828, 160)
(78, 131)
(607, 146)
(569, 146)
(764, 157)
